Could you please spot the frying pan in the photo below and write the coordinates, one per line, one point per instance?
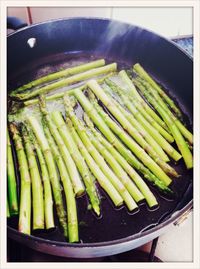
(59, 41)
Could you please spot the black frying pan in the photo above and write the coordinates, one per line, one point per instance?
(60, 41)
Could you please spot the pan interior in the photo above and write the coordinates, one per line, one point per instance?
(113, 223)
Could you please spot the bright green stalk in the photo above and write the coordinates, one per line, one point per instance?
(55, 182)
(48, 200)
(79, 126)
(161, 141)
(156, 160)
(61, 94)
(187, 134)
(67, 81)
(97, 172)
(36, 183)
(119, 171)
(78, 159)
(142, 186)
(138, 110)
(60, 74)
(7, 209)
(136, 95)
(12, 188)
(142, 73)
(128, 200)
(149, 138)
(134, 147)
(126, 153)
(72, 218)
(68, 159)
(154, 134)
(24, 225)
(182, 145)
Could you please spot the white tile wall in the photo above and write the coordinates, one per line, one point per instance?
(45, 13)
(167, 21)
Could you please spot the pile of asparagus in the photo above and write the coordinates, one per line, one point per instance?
(122, 144)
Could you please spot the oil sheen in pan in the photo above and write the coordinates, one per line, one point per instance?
(114, 223)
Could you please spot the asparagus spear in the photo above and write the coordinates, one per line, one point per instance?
(48, 200)
(78, 159)
(126, 153)
(24, 224)
(137, 109)
(135, 148)
(156, 160)
(60, 95)
(103, 181)
(36, 183)
(67, 81)
(119, 171)
(55, 182)
(69, 161)
(7, 209)
(12, 188)
(136, 95)
(187, 134)
(68, 189)
(147, 126)
(148, 137)
(142, 186)
(142, 73)
(60, 74)
(79, 126)
(182, 145)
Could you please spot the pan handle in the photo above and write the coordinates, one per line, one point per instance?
(15, 23)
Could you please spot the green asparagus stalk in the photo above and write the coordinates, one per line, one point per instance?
(67, 81)
(55, 182)
(97, 172)
(142, 73)
(72, 218)
(12, 188)
(60, 74)
(7, 209)
(165, 145)
(48, 200)
(78, 159)
(126, 153)
(24, 224)
(146, 125)
(137, 108)
(36, 183)
(80, 128)
(142, 130)
(118, 170)
(142, 186)
(136, 95)
(156, 160)
(186, 133)
(182, 145)
(147, 117)
(68, 159)
(70, 92)
(134, 147)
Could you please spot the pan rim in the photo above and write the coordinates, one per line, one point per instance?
(130, 238)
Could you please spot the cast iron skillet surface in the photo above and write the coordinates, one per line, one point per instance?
(61, 42)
